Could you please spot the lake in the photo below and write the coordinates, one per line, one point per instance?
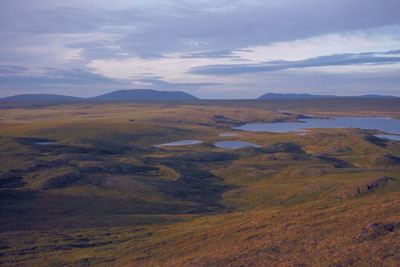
(227, 134)
(387, 125)
(234, 144)
(12, 119)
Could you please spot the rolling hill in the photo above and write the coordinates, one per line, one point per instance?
(87, 184)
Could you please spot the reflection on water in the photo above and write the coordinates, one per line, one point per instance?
(388, 136)
(45, 143)
(182, 143)
(387, 125)
(227, 134)
(234, 144)
(11, 119)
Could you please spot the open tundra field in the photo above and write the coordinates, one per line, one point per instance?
(86, 184)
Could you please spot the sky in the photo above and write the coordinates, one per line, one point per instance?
(212, 49)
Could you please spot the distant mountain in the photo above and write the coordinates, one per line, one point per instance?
(144, 94)
(309, 96)
(40, 98)
(134, 94)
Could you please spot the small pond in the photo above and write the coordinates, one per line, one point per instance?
(387, 125)
(45, 143)
(11, 119)
(234, 144)
(181, 143)
(227, 134)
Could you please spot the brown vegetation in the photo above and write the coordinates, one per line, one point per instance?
(105, 194)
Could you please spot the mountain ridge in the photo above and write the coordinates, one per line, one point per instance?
(118, 95)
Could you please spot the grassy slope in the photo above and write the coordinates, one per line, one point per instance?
(104, 195)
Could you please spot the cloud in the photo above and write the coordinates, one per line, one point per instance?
(150, 26)
(393, 52)
(151, 56)
(317, 51)
(158, 83)
(171, 68)
(322, 61)
(361, 41)
(182, 42)
(21, 75)
(11, 69)
(55, 50)
(211, 54)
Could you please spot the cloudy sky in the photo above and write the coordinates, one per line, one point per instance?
(209, 48)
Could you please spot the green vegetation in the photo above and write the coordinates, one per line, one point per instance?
(104, 194)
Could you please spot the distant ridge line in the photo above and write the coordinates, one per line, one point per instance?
(119, 95)
(150, 94)
(144, 94)
(310, 96)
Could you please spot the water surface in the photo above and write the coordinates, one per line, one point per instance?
(387, 125)
(227, 134)
(11, 119)
(234, 144)
(388, 136)
(181, 143)
(45, 143)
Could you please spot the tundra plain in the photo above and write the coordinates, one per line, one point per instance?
(105, 194)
